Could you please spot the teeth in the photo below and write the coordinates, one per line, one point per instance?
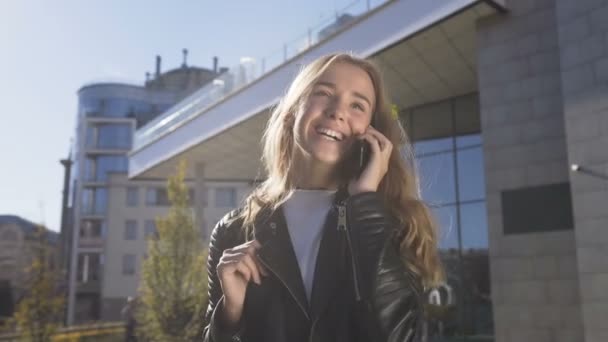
(328, 132)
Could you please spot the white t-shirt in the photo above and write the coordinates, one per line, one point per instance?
(305, 212)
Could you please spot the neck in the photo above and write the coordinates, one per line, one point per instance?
(310, 174)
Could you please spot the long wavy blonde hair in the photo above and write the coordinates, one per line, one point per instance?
(417, 234)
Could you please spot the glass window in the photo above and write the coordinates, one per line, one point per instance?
(91, 107)
(132, 196)
(128, 264)
(437, 178)
(150, 228)
(225, 197)
(87, 201)
(466, 115)
(114, 136)
(471, 180)
(468, 140)
(101, 200)
(157, 197)
(432, 121)
(106, 164)
(423, 147)
(474, 225)
(91, 229)
(130, 230)
(90, 136)
(448, 226)
(89, 169)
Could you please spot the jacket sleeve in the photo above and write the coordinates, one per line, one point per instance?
(219, 240)
(390, 294)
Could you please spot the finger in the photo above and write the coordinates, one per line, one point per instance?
(243, 270)
(250, 247)
(253, 267)
(261, 267)
(373, 142)
(385, 143)
(249, 260)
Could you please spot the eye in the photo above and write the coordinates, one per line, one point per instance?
(358, 106)
(321, 92)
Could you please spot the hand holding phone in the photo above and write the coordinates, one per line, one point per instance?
(372, 155)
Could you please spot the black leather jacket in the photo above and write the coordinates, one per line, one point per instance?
(362, 290)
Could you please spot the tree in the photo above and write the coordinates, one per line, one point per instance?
(173, 288)
(38, 313)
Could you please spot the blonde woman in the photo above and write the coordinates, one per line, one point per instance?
(332, 246)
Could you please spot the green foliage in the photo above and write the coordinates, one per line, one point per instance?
(173, 290)
(38, 313)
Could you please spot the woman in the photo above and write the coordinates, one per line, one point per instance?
(325, 249)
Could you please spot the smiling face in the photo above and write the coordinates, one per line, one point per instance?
(338, 109)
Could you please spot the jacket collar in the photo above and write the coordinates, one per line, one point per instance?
(277, 254)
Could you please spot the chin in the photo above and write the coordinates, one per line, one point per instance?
(326, 157)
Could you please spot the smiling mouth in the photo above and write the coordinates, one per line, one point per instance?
(329, 134)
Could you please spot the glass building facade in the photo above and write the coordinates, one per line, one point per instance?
(107, 118)
(448, 148)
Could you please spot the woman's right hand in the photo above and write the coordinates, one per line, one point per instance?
(236, 268)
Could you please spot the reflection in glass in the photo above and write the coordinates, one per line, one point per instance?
(423, 147)
(114, 136)
(474, 226)
(468, 140)
(106, 164)
(448, 226)
(471, 180)
(437, 178)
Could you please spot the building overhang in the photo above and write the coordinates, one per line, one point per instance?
(426, 49)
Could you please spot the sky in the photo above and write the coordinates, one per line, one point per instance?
(49, 49)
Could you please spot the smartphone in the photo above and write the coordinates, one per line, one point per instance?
(363, 152)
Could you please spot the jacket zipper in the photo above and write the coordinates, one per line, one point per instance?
(343, 227)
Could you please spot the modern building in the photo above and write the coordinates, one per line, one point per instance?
(133, 207)
(500, 98)
(20, 245)
(108, 114)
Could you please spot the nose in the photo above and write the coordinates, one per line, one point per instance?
(336, 110)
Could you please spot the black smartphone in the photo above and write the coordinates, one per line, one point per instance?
(363, 152)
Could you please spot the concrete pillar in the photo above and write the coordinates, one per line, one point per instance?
(583, 48)
(534, 275)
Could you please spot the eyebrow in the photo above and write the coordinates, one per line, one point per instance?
(356, 94)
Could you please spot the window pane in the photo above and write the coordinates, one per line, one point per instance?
(474, 226)
(432, 121)
(89, 169)
(157, 197)
(130, 230)
(132, 196)
(468, 140)
(448, 233)
(423, 147)
(101, 200)
(106, 164)
(128, 264)
(150, 227)
(471, 180)
(467, 116)
(114, 136)
(437, 178)
(87, 201)
(90, 136)
(225, 197)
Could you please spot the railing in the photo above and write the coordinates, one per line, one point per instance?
(248, 70)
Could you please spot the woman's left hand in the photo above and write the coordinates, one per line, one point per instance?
(377, 166)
